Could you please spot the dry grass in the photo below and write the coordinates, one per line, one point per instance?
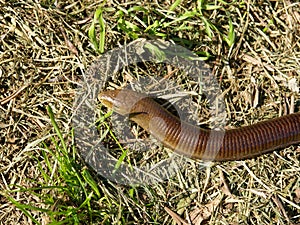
(45, 49)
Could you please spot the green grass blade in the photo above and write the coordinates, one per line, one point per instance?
(56, 128)
(92, 36)
(88, 178)
(120, 161)
(99, 14)
(24, 208)
(174, 5)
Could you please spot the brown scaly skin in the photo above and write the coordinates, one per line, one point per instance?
(214, 145)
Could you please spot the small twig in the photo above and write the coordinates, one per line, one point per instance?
(68, 42)
(12, 96)
(281, 208)
(175, 217)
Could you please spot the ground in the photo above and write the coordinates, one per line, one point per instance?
(46, 48)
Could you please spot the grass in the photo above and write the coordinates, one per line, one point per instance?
(253, 50)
